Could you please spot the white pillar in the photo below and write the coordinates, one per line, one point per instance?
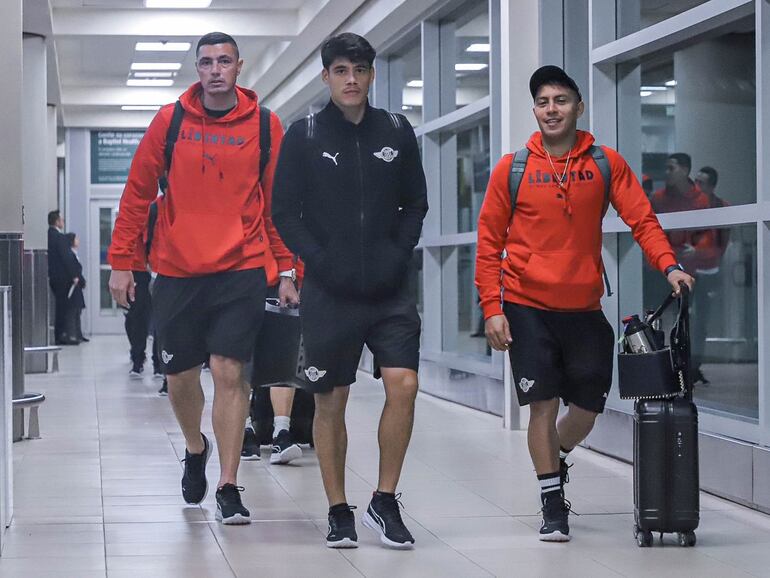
(10, 119)
(51, 160)
(34, 136)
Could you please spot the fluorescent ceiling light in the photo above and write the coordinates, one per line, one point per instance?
(406, 107)
(140, 107)
(177, 3)
(653, 88)
(150, 82)
(153, 74)
(469, 66)
(163, 46)
(156, 65)
(671, 83)
(645, 93)
(478, 47)
(415, 83)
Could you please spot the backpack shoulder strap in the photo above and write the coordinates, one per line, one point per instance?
(310, 126)
(171, 137)
(604, 168)
(516, 175)
(264, 139)
(396, 120)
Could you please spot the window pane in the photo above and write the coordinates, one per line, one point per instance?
(701, 100)
(465, 37)
(405, 78)
(106, 222)
(723, 310)
(633, 15)
(105, 299)
(417, 260)
(462, 320)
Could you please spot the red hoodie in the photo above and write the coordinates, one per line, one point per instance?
(553, 245)
(216, 215)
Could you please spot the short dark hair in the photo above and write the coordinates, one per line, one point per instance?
(53, 217)
(216, 38)
(712, 173)
(682, 159)
(347, 45)
(71, 238)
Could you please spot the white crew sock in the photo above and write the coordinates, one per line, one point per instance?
(280, 422)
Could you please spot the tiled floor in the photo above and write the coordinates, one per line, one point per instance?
(99, 495)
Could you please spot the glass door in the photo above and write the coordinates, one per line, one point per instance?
(106, 317)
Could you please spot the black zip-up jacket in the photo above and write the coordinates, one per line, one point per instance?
(350, 199)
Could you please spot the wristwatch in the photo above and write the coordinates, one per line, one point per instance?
(673, 268)
(290, 274)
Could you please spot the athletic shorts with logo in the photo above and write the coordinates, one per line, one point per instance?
(217, 314)
(557, 354)
(335, 329)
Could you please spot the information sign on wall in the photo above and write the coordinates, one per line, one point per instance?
(111, 155)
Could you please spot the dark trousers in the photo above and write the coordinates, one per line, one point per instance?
(138, 319)
(60, 310)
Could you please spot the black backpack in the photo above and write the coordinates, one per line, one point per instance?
(173, 133)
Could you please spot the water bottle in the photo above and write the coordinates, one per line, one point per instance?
(637, 336)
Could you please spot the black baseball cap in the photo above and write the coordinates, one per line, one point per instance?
(551, 74)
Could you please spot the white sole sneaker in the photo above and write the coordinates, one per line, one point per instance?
(345, 543)
(554, 537)
(251, 458)
(293, 452)
(134, 375)
(369, 522)
(235, 520)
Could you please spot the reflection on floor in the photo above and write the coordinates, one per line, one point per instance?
(99, 495)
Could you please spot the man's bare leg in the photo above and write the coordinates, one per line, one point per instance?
(231, 404)
(395, 424)
(330, 437)
(186, 396)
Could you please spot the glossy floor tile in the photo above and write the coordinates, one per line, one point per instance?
(99, 495)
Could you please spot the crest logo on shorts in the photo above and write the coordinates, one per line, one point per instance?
(526, 384)
(166, 356)
(387, 154)
(314, 374)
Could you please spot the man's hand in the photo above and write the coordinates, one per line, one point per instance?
(498, 332)
(287, 293)
(122, 288)
(676, 276)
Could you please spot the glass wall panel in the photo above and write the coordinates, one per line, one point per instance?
(633, 15)
(700, 100)
(723, 311)
(405, 81)
(462, 320)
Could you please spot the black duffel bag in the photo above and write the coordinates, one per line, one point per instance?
(279, 357)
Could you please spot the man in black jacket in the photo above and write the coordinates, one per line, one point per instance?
(62, 275)
(349, 198)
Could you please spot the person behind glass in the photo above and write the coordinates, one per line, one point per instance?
(215, 251)
(138, 315)
(62, 274)
(549, 319)
(284, 450)
(350, 198)
(76, 301)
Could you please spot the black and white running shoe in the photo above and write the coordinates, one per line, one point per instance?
(136, 371)
(194, 484)
(342, 528)
(164, 388)
(384, 517)
(555, 527)
(250, 450)
(230, 509)
(284, 450)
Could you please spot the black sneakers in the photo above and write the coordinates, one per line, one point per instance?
(384, 517)
(194, 484)
(564, 471)
(250, 449)
(164, 388)
(555, 527)
(284, 450)
(342, 527)
(230, 510)
(136, 371)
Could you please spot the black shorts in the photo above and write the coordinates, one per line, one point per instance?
(558, 354)
(335, 330)
(217, 314)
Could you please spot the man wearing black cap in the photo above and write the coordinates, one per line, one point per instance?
(543, 210)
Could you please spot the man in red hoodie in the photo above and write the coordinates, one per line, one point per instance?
(215, 251)
(539, 276)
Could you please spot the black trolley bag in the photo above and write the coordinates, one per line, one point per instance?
(666, 485)
(279, 360)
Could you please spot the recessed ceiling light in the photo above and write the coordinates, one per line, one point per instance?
(140, 107)
(155, 74)
(478, 47)
(415, 83)
(150, 82)
(163, 46)
(177, 3)
(469, 66)
(406, 107)
(645, 93)
(156, 65)
(671, 83)
(653, 88)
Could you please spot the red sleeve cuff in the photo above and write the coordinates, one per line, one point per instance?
(666, 261)
(491, 309)
(285, 263)
(121, 263)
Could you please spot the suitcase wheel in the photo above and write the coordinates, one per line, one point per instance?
(687, 539)
(643, 537)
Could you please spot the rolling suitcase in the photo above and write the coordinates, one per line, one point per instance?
(666, 485)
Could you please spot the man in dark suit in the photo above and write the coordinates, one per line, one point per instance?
(61, 275)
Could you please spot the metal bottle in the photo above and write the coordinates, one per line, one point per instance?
(638, 337)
